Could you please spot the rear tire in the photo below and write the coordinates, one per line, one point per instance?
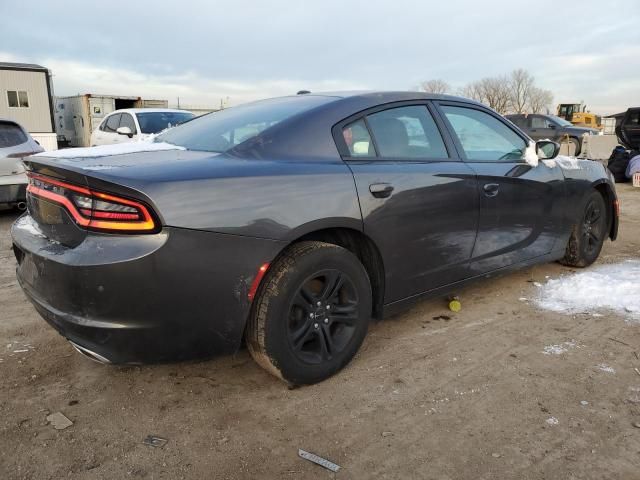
(588, 234)
(311, 313)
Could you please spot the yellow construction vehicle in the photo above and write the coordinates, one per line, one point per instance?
(578, 114)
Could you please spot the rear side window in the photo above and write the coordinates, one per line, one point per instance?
(221, 131)
(112, 123)
(407, 132)
(11, 135)
(484, 138)
(358, 140)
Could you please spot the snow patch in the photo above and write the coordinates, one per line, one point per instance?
(605, 368)
(559, 349)
(107, 150)
(27, 224)
(611, 287)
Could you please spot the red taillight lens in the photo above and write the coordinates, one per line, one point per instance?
(92, 209)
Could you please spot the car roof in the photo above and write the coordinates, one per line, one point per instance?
(149, 110)
(384, 96)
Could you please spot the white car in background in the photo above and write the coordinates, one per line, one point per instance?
(136, 124)
(15, 144)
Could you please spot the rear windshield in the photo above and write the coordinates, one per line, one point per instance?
(155, 122)
(11, 135)
(220, 131)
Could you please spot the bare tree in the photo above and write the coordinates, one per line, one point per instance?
(539, 100)
(435, 86)
(495, 91)
(492, 91)
(473, 91)
(521, 83)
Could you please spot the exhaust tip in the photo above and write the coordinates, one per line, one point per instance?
(90, 354)
(22, 206)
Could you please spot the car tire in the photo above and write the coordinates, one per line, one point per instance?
(588, 234)
(311, 313)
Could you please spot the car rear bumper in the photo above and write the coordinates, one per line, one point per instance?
(174, 295)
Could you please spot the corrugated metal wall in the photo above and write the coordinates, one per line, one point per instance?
(35, 118)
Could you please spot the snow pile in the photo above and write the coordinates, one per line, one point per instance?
(614, 287)
(558, 349)
(605, 368)
(107, 150)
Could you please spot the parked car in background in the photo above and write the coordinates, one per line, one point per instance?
(15, 144)
(540, 127)
(134, 124)
(289, 223)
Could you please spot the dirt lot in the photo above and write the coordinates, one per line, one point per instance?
(470, 397)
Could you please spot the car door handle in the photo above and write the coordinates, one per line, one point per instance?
(491, 189)
(381, 190)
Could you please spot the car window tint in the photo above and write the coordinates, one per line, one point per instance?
(222, 130)
(11, 135)
(126, 120)
(483, 137)
(407, 132)
(358, 140)
(112, 123)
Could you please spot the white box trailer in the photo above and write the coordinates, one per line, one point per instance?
(76, 117)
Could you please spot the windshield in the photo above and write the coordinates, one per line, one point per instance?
(560, 121)
(220, 131)
(154, 122)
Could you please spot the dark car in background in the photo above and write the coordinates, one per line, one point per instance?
(540, 127)
(291, 222)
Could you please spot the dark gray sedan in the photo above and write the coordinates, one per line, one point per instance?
(291, 222)
(539, 127)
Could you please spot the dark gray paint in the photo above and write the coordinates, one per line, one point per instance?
(225, 215)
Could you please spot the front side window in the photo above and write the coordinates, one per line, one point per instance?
(358, 140)
(483, 137)
(222, 130)
(126, 120)
(155, 122)
(540, 122)
(18, 98)
(407, 132)
(112, 123)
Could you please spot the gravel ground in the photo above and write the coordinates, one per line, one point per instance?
(431, 394)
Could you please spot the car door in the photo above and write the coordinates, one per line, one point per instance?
(520, 204)
(108, 134)
(419, 201)
(541, 128)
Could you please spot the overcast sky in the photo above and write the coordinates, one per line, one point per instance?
(203, 51)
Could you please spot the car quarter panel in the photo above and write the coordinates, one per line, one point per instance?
(176, 294)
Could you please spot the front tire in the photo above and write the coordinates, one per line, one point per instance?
(311, 313)
(588, 234)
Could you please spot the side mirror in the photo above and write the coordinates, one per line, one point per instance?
(552, 126)
(124, 131)
(546, 149)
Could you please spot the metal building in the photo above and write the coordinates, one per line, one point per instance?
(26, 97)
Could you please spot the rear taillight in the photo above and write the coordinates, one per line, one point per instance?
(92, 209)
